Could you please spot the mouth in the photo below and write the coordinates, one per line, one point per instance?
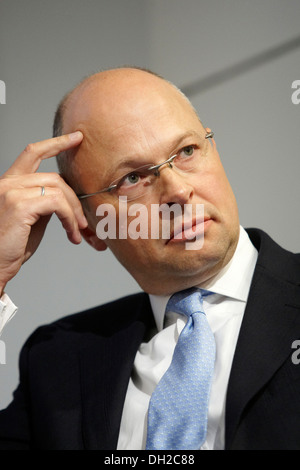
(189, 230)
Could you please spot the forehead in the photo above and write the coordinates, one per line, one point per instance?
(131, 118)
(111, 100)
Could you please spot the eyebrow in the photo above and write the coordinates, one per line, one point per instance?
(132, 163)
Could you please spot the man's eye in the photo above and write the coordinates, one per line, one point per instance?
(187, 151)
(133, 178)
(130, 179)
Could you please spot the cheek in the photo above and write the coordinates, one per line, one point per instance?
(136, 256)
(135, 221)
(133, 239)
(214, 187)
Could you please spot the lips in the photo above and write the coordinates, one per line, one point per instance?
(189, 229)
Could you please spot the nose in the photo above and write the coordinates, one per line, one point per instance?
(173, 187)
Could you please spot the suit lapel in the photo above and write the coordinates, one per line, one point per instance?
(269, 327)
(106, 365)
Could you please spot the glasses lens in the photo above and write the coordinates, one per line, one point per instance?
(134, 184)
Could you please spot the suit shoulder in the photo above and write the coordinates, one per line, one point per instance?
(280, 262)
(103, 319)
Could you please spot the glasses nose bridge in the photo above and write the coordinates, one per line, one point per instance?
(156, 168)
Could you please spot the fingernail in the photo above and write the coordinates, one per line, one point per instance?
(76, 135)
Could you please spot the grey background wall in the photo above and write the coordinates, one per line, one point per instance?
(235, 60)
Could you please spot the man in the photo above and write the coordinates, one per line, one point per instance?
(86, 380)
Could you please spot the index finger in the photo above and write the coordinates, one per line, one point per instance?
(29, 160)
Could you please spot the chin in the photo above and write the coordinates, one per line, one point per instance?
(176, 274)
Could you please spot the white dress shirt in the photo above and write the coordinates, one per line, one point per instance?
(224, 310)
(7, 310)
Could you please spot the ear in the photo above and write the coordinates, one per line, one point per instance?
(92, 239)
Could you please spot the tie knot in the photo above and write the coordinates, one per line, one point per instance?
(187, 302)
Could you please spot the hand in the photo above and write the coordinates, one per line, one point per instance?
(25, 213)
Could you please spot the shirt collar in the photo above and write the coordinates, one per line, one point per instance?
(232, 281)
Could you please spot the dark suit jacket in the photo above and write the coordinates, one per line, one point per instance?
(74, 372)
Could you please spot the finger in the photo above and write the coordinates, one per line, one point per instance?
(36, 234)
(26, 207)
(46, 180)
(29, 160)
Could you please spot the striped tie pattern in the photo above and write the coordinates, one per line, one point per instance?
(177, 415)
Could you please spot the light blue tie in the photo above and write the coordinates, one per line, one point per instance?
(177, 415)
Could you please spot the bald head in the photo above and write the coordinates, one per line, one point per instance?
(100, 98)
